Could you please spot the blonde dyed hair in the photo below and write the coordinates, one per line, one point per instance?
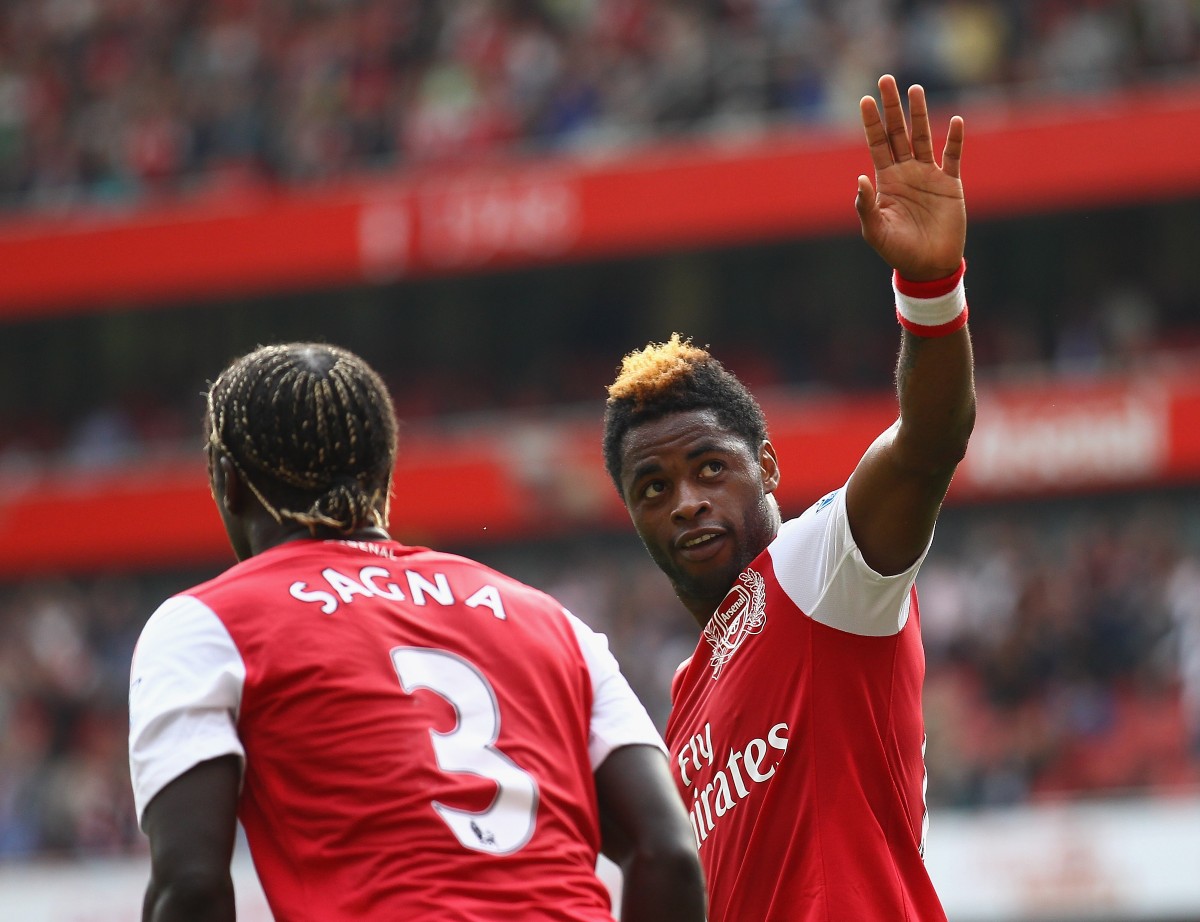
(646, 373)
(675, 376)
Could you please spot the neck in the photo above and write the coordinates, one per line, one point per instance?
(273, 534)
(702, 609)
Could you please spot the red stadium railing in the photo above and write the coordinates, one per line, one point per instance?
(1035, 157)
(517, 480)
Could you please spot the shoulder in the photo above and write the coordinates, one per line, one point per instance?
(185, 689)
(242, 577)
(476, 572)
(183, 627)
(677, 678)
(819, 566)
(238, 599)
(618, 718)
(807, 534)
(178, 613)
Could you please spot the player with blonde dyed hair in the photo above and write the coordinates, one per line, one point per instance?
(796, 734)
(403, 733)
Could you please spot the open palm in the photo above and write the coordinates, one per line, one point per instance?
(914, 215)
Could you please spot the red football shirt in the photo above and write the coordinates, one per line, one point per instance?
(419, 732)
(797, 738)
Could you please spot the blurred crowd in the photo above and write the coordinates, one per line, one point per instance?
(1063, 640)
(1064, 650)
(108, 100)
(1063, 646)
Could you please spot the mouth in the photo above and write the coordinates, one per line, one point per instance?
(700, 545)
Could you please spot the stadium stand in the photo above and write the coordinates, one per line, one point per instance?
(1063, 628)
(119, 100)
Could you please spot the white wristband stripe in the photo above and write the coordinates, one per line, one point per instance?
(931, 312)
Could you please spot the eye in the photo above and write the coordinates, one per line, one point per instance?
(712, 468)
(653, 489)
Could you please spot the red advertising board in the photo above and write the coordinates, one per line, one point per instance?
(1092, 150)
(514, 479)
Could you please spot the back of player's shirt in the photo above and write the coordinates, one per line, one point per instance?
(419, 731)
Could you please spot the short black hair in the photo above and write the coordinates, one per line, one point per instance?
(311, 429)
(674, 377)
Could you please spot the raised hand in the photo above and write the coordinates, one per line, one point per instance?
(914, 215)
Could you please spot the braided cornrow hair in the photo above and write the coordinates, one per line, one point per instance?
(311, 430)
(674, 377)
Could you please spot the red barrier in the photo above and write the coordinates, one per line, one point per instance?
(1090, 151)
(515, 479)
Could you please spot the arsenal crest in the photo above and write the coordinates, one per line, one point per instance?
(742, 614)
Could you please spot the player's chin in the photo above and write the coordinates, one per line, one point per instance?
(709, 578)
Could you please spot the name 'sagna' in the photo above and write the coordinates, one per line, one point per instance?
(378, 582)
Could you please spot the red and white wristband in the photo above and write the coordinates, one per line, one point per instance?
(935, 308)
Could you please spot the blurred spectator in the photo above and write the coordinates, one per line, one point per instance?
(105, 100)
(1183, 597)
(64, 672)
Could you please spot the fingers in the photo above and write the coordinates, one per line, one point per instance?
(864, 201)
(952, 154)
(887, 136)
(877, 139)
(867, 206)
(889, 139)
(922, 133)
(893, 119)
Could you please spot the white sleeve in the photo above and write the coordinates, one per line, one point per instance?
(822, 570)
(618, 717)
(185, 688)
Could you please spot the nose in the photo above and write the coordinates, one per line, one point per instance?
(690, 503)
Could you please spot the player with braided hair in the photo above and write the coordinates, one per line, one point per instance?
(315, 427)
(404, 734)
(796, 735)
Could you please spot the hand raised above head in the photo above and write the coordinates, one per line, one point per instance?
(914, 215)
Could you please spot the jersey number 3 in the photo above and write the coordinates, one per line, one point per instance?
(470, 749)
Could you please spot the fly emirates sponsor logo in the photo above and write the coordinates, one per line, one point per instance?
(715, 794)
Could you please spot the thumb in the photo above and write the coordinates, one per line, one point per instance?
(864, 201)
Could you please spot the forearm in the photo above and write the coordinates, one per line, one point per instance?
(935, 382)
(647, 833)
(204, 900)
(192, 823)
(663, 887)
(897, 489)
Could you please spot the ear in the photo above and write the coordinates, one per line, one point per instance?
(769, 466)
(228, 489)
